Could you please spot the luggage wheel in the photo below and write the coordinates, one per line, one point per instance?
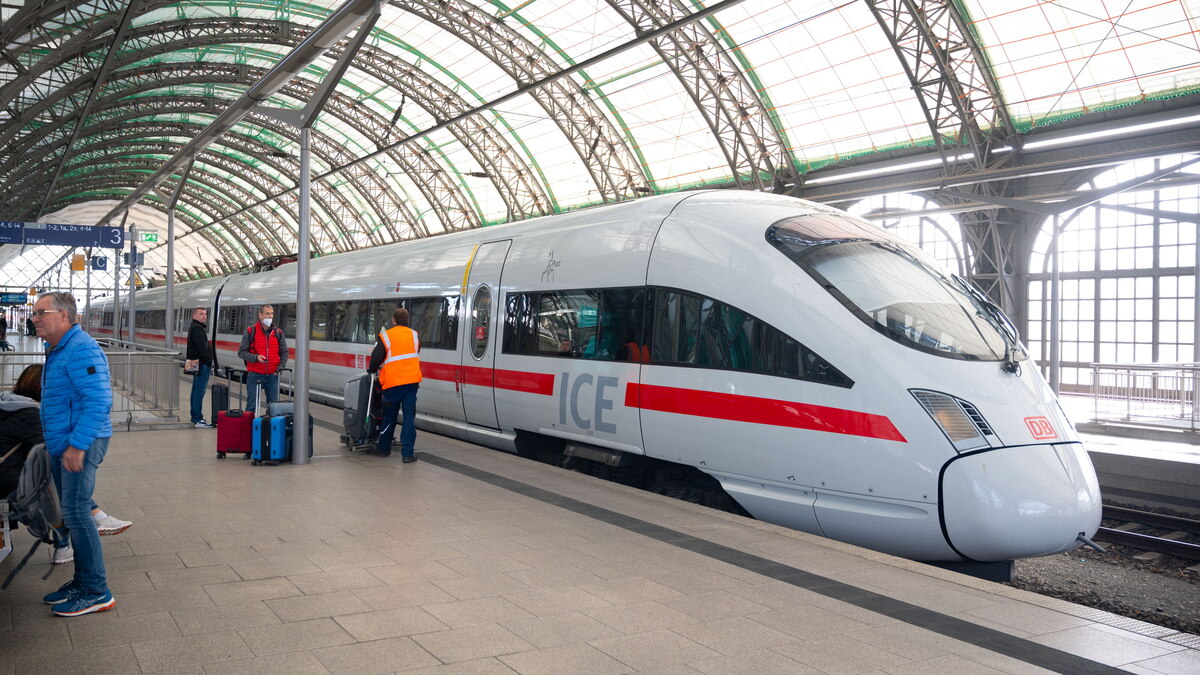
(220, 455)
(255, 462)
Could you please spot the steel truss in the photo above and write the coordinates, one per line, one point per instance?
(366, 182)
(966, 116)
(740, 124)
(600, 145)
(523, 194)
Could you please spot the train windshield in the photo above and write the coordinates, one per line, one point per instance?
(895, 288)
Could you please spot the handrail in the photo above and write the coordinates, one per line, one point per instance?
(1165, 395)
(145, 379)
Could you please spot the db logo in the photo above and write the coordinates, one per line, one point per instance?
(1040, 427)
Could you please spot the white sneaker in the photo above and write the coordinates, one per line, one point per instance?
(203, 425)
(110, 525)
(59, 556)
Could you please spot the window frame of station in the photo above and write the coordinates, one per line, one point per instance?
(235, 319)
(520, 327)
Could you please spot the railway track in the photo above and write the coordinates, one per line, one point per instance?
(1175, 544)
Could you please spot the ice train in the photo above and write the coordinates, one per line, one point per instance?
(820, 372)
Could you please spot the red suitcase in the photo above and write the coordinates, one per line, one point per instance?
(234, 433)
(235, 428)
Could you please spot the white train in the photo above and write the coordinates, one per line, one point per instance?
(827, 375)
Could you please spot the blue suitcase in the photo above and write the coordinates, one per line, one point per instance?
(272, 439)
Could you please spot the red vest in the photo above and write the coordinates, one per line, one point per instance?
(265, 344)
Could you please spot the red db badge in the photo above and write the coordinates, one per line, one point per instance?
(1041, 428)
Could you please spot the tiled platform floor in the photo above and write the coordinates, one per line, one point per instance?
(473, 561)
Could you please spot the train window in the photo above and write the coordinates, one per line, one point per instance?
(426, 316)
(689, 329)
(481, 319)
(676, 324)
(342, 316)
(567, 323)
(600, 324)
(897, 290)
(520, 326)
(379, 317)
(320, 320)
(449, 315)
(285, 318)
(246, 316)
(621, 314)
(725, 336)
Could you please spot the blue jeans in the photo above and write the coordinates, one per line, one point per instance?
(199, 382)
(268, 382)
(75, 491)
(396, 399)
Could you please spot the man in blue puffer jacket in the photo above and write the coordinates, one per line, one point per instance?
(76, 403)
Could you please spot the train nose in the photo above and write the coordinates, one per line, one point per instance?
(1019, 502)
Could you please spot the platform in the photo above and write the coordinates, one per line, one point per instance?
(472, 560)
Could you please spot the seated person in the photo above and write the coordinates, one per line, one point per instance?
(20, 430)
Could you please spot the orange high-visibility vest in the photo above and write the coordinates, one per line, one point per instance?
(401, 366)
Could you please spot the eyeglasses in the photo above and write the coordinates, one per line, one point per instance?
(39, 313)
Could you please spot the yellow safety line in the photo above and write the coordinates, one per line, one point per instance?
(467, 272)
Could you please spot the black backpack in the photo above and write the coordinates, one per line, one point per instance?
(34, 504)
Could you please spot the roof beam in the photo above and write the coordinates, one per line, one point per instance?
(100, 76)
(344, 20)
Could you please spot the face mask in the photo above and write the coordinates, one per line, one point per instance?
(267, 322)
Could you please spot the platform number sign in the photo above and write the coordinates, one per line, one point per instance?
(1041, 428)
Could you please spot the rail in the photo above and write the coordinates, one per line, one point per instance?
(1162, 395)
(145, 380)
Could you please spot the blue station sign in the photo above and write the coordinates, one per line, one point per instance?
(61, 234)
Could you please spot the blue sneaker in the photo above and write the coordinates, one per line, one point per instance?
(84, 604)
(66, 592)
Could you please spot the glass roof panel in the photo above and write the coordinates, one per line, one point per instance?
(831, 75)
(1059, 59)
(569, 30)
(663, 122)
(559, 164)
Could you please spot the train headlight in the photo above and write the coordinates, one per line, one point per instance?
(958, 419)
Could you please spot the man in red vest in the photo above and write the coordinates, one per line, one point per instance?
(265, 351)
(395, 357)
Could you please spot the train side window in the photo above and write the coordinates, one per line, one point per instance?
(342, 316)
(379, 314)
(621, 312)
(449, 314)
(520, 326)
(481, 318)
(725, 337)
(676, 324)
(320, 321)
(568, 323)
(427, 316)
(285, 318)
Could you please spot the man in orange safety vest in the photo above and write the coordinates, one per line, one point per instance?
(395, 358)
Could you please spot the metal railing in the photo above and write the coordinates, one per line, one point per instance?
(145, 380)
(1156, 394)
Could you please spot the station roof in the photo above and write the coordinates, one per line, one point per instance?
(97, 95)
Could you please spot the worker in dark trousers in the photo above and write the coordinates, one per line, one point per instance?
(395, 358)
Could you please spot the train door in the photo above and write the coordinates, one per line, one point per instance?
(482, 301)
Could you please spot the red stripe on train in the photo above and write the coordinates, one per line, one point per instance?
(760, 411)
